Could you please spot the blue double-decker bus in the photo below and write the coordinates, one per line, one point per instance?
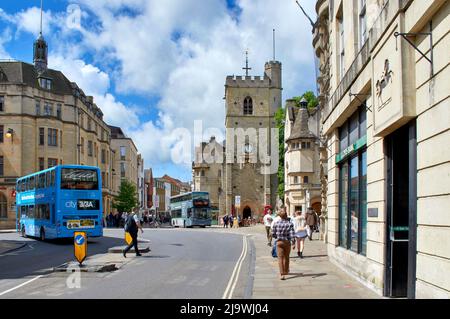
(56, 202)
(190, 209)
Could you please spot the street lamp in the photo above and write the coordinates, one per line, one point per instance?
(10, 134)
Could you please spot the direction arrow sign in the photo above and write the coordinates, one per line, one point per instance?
(80, 246)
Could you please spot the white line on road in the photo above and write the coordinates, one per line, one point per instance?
(21, 285)
(235, 275)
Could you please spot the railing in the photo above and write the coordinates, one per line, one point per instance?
(381, 24)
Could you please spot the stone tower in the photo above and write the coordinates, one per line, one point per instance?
(251, 103)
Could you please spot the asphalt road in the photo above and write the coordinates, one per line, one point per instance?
(183, 263)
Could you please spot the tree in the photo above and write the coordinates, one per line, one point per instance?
(310, 97)
(280, 117)
(127, 198)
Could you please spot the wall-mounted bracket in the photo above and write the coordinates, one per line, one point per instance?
(362, 102)
(406, 36)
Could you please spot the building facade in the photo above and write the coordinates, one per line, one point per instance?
(148, 179)
(46, 120)
(302, 165)
(126, 164)
(386, 121)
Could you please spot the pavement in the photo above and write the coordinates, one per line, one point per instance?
(313, 277)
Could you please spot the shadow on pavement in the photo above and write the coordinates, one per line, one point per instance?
(297, 275)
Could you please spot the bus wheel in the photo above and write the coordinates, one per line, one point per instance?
(203, 226)
(22, 232)
(42, 235)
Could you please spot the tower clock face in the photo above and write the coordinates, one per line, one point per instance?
(248, 148)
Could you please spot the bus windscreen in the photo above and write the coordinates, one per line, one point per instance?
(80, 179)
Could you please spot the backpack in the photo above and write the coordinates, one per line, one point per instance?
(130, 225)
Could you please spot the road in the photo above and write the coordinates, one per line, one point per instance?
(183, 263)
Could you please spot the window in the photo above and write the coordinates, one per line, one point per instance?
(41, 136)
(52, 137)
(89, 127)
(305, 179)
(103, 180)
(38, 108)
(103, 156)
(122, 169)
(2, 169)
(58, 111)
(48, 181)
(248, 106)
(60, 139)
(295, 179)
(362, 23)
(123, 152)
(95, 150)
(48, 109)
(77, 178)
(2, 103)
(45, 83)
(341, 43)
(90, 150)
(203, 173)
(2, 130)
(43, 211)
(41, 163)
(82, 145)
(3, 206)
(353, 129)
(52, 162)
(353, 203)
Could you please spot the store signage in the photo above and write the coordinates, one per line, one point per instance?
(362, 142)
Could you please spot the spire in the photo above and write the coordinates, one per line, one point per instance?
(246, 63)
(40, 50)
(40, 33)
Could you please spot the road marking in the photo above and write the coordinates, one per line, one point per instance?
(235, 275)
(21, 285)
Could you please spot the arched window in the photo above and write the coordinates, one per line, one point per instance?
(248, 106)
(3, 206)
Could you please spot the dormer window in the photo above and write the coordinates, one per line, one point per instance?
(45, 83)
(248, 106)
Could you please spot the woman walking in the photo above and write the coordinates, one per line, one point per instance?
(283, 231)
(300, 232)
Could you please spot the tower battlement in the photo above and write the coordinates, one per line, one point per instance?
(247, 81)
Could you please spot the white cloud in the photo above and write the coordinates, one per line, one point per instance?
(4, 38)
(179, 51)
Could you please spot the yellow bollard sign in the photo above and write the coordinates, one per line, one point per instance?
(128, 238)
(80, 246)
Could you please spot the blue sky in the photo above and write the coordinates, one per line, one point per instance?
(154, 67)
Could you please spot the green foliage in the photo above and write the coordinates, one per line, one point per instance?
(280, 117)
(127, 198)
(313, 102)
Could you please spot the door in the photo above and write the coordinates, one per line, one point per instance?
(401, 212)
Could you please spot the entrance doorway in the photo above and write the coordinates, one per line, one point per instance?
(401, 151)
(247, 213)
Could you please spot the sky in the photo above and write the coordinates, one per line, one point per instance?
(157, 67)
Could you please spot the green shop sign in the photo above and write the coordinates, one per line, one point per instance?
(351, 149)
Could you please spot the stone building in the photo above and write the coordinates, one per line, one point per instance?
(302, 165)
(46, 120)
(148, 179)
(248, 165)
(386, 123)
(126, 159)
(208, 168)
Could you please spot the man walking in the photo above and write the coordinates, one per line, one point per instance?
(225, 221)
(283, 231)
(267, 223)
(311, 222)
(132, 226)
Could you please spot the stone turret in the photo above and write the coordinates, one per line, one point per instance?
(272, 70)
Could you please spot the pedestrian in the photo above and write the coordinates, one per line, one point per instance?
(225, 221)
(267, 223)
(300, 232)
(283, 232)
(132, 226)
(311, 221)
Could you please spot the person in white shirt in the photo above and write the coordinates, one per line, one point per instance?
(300, 229)
(267, 223)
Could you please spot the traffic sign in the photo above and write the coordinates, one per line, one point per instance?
(80, 246)
(128, 238)
(237, 201)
